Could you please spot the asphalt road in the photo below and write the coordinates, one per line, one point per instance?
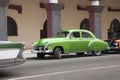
(70, 67)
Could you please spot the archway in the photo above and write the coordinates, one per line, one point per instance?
(114, 30)
(11, 27)
(43, 32)
(84, 24)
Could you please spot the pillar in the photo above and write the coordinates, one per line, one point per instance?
(53, 18)
(95, 19)
(3, 20)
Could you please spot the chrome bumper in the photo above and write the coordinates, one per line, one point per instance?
(41, 51)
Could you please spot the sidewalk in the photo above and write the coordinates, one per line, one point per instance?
(27, 53)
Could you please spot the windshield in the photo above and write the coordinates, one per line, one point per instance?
(62, 34)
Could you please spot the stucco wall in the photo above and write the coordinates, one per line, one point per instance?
(71, 17)
(29, 22)
(107, 16)
(32, 18)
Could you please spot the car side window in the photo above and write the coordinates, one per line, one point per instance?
(86, 35)
(62, 34)
(75, 35)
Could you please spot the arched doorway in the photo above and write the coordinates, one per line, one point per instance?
(84, 24)
(11, 27)
(114, 30)
(43, 32)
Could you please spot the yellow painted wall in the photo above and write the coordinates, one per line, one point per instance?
(107, 16)
(71, 17)
(29, 22)
(32, 18)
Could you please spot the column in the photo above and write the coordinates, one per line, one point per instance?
(95, 11)
(53, 18)
(95, 20)
(3, 20)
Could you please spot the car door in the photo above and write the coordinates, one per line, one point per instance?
(85, 39)
(74, 42)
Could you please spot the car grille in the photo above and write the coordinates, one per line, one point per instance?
(40, 48)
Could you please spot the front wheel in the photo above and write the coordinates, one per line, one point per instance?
(40, 55)
(97, 53)
(58, 53)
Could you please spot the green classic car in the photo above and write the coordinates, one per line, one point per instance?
(70, 41)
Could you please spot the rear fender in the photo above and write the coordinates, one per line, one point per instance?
(97, 45)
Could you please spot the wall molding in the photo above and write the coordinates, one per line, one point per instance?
(18, 8)
(81, 8)
(42, 5)
(113, 9)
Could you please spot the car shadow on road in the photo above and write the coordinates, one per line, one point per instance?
(68, 56)
(71, 55)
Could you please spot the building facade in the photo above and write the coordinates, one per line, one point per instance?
(27, 19)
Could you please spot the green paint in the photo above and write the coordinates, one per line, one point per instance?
(10, 45)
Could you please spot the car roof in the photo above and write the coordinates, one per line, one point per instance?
(72, 30)
(80, 30)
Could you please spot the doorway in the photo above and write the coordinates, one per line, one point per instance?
(84, 24)
(114, 30)
(43, 32)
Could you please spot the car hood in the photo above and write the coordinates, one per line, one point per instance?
(44, 41)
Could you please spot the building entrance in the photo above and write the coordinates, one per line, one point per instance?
(84, 24)
(114, 30)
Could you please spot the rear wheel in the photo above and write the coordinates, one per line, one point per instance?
(40, 55)
(97, 53)
(58, 53)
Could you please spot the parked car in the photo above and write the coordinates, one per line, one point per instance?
(114, 46)
(11, 53)
(70, 41)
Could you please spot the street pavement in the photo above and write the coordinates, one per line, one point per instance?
(70, 67)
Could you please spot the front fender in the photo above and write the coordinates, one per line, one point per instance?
(64, 45)
(98, 45)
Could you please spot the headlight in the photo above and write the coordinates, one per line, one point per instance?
(47, 44)
(116, 44)
(34, 44)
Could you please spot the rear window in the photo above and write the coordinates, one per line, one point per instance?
(86, 35)
(62, 34)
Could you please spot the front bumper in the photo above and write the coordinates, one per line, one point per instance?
(41, 49)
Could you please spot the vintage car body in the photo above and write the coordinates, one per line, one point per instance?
(114, 46)
(69, 41)
(11, 53)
